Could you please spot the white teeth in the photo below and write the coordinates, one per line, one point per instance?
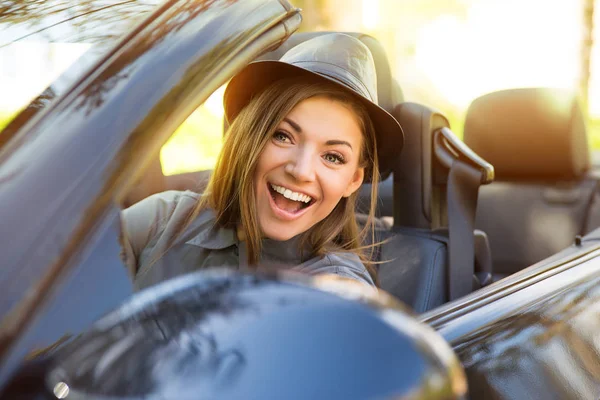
(287, 193)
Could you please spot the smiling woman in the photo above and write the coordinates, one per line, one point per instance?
(306, 154)
(305, 133)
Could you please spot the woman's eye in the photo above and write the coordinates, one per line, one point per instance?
(282, 137)
(334, 158)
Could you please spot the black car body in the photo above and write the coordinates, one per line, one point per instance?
(69, 160)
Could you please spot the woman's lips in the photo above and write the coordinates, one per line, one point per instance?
(284, 214)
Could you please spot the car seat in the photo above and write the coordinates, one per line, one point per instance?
(437, 255)
(536, 139)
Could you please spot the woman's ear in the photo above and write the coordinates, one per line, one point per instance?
(356, 181)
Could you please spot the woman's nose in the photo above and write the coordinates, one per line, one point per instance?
(301, 166)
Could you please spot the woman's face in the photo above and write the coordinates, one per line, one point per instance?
(307, 166)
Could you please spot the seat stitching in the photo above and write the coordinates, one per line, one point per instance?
(430, 280)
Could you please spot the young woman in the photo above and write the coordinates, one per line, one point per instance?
(305, 133)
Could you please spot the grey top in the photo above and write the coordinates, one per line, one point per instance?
(148, 225)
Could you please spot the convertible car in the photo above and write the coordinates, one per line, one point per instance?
(489, 258)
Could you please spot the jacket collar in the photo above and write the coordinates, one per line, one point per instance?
(212, 237)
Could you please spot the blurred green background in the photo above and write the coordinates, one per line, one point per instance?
(443, 53)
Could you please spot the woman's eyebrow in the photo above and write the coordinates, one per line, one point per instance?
(335, 142)
(298, 129)
(293, 124)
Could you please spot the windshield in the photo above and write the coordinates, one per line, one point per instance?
(46, 45)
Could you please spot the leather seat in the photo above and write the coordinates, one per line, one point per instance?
(536, 139)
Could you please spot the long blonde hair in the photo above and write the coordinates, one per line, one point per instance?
(231, 193)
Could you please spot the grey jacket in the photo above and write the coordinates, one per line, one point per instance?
(148, 225)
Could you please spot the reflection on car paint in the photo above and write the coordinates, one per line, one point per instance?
(220, 333)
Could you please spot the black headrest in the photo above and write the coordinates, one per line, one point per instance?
(388, 91)
(529, 134)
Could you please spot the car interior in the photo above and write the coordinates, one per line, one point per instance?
(443, 228)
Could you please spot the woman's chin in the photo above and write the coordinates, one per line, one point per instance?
(278, 237)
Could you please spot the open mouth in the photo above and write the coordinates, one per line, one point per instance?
(288, 201)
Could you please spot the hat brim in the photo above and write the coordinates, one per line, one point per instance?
(258, 75)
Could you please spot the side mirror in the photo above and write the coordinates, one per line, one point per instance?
(222, 334)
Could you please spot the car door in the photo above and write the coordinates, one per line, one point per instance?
(534, 334)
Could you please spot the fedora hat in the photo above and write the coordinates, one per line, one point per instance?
(336, 57)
